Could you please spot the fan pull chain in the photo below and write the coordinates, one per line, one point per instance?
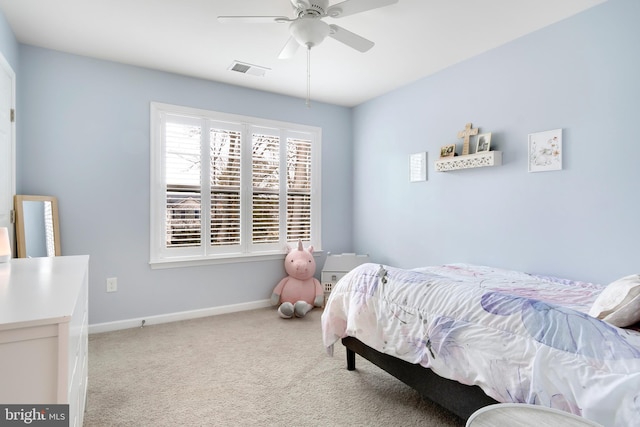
(308, 101)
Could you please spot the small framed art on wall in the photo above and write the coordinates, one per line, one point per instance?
(418, 167)
(545, 151)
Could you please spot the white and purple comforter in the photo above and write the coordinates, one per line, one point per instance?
(520, 337)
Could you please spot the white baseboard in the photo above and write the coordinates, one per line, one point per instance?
(174, 317)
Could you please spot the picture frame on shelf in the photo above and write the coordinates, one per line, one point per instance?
(545, 151)
(483, 142)
(447, 151)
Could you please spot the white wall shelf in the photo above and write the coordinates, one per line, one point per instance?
(476, 160)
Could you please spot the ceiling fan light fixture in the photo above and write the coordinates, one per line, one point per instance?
(308, 29)
(309, 32)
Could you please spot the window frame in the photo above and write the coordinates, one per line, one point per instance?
(248, 251)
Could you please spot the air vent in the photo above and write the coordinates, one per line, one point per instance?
(244, 68)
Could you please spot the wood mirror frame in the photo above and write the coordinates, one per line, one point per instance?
(37, 227)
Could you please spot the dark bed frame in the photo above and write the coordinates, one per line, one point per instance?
(460, 399)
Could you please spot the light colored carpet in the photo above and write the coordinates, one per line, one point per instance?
(243, 369)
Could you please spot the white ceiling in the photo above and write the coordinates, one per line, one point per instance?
(414, 38)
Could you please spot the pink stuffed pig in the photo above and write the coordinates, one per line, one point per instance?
(299, 292)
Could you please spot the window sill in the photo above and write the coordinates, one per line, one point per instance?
(160, 264)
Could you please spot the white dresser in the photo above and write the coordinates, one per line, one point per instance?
(43, 332)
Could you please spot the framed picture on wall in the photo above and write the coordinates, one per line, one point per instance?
(448, 150)
(545, 151)
(483, 142)
(418, 167)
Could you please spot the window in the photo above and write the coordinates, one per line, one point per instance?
(226, 186)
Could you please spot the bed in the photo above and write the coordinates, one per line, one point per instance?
(467, 336)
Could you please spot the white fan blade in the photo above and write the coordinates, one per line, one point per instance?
(351, 7)
(289, 49)
(253, 19)
(304, 4)
(350, 39)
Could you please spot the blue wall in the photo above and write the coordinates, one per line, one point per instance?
(8, 44)
(581, 75)
(83, 136)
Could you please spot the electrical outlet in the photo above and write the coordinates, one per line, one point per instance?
(112, 284)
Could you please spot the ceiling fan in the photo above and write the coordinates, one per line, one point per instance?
(307, 27)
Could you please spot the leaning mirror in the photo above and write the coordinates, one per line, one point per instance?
(37, 226)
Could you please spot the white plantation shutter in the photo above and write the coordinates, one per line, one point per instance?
(265, 183)
(298, 189)
(183, 182)
(262, 178)
(225, 149)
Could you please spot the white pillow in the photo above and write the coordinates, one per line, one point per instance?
(619, 303)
